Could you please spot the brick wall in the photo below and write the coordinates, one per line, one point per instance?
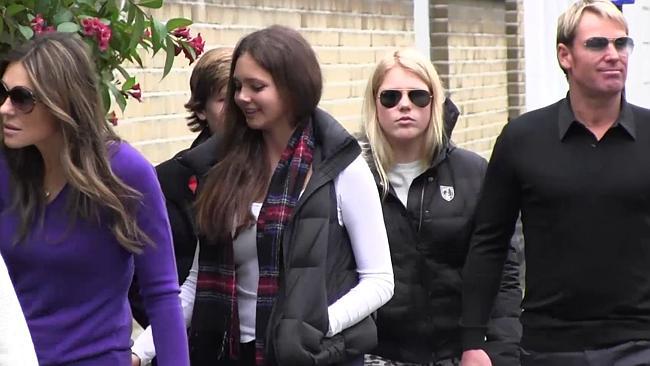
(516, 64)
(348, 36)
(469, 46)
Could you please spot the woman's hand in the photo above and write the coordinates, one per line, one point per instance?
(135, 360)
(475, 357)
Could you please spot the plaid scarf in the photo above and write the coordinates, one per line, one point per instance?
(283, 193)
(216, 290)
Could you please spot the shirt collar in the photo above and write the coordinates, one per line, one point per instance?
(566, 118)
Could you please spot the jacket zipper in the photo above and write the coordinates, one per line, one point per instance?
(421, 206)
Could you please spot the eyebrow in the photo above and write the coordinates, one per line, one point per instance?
(250, 80)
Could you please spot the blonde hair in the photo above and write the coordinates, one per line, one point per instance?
(567, 22)
(382, 152)
(72, 96)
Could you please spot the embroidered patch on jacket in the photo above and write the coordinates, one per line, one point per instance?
(447, 193)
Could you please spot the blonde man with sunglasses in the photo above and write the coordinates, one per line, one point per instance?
(578, 172)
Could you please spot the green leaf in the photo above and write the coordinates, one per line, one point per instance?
(106, 97)
(131, 13)
(158, 32)
(122, 71)
(169, 60)
(152, 4)
(63, 16)
(138, 30)
(90, 3)
(120, 99)
(42, 6)
(189, 49)
(128, 84)
(68, 27)
(137, 58)
(177, 23)
(26, 31)
(14, 9)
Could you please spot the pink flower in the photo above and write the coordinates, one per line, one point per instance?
(182, 32)
(198, 44)
(136, 92)
(93, 27)
(38, 23)
(112, 118)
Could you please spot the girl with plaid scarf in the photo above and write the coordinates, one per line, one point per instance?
(293, 255)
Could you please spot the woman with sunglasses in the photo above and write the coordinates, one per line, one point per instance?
(429, 190)
(79, 210)
(293, 255)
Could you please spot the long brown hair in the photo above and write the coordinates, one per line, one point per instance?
(62, 72)
(242, 174)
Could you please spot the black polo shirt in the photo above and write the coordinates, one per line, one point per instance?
(585, 206)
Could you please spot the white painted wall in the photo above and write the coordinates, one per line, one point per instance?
(545, 82)
(638, 75)
(421, 25)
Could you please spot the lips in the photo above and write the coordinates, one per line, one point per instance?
(10, 127)
(249, 111)
(611, 71)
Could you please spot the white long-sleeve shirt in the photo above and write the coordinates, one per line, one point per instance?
(359, 211)
(16, 347)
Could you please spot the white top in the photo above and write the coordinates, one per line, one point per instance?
(359, 210)
(248, 274)
(401, 177)
(16, 347)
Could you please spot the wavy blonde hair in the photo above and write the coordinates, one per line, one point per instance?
(62, 73)
(381, 150)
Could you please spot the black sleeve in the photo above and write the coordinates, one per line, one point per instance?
(494, 225)
(504, 329)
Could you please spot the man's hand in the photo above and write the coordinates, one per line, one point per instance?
(474, 357)
(135, 360)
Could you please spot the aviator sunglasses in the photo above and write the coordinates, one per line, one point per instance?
(391, 97)
(22, 98)
(622, 44)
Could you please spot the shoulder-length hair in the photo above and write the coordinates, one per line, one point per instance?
(210, 76)
(60, 68)
(382, 152)
(242, 174)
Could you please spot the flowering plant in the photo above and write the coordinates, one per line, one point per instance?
(115, 31)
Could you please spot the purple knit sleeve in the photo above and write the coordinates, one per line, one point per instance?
(155, 267)
(4, 181)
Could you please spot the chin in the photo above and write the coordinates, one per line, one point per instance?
(12, 145)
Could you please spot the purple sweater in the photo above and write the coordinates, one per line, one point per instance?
(72, 280)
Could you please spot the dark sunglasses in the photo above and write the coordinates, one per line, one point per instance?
(391, 97)
(22, 98)
(600, 43)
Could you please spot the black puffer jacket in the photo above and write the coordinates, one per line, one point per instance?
(318, 267)
(429, 241)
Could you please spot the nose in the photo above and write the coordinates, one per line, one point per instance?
(611, 53)
(6, 107)
(404, 101)
(242, 95)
